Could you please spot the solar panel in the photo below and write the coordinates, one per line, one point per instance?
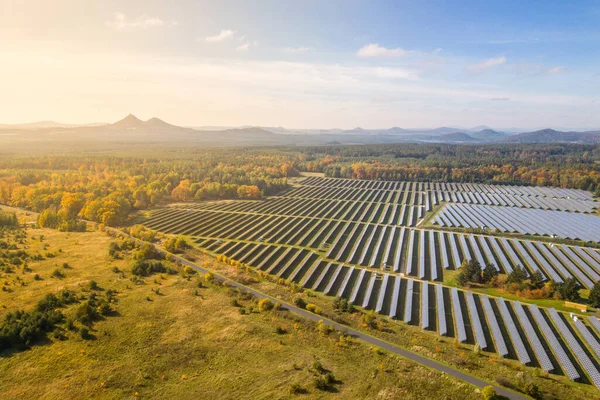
(357, 285)
(557, 349)
(395, 297)
(461, 334)
(589, 338)
(533, 338)
(479, 336)
(576, 348)
(432, 256)
(441, 310)
(595, 323)
(382, 291)
(513, 332)
(408, 304)
(369, 291)
(421, 254)
(424, 305)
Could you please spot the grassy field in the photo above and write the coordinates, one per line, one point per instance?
(182, 341)
(484, 365)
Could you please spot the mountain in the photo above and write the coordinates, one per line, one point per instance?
(479, 128)
(488, 134)
(129, 122)
(455, 137)
(553, 136)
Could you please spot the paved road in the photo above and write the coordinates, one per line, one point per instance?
(427, 362)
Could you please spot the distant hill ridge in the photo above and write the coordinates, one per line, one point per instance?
(133, 129)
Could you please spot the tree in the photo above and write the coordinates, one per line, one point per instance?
(518, 275)
(461, 279)
(595, 295)
(569, 289)
(248, 192)
(489, 272)
(48, 219)
(182, 192)
(470, 271)
(537, 280)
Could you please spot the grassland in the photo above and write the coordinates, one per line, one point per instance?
(182, 341)
(447, 350)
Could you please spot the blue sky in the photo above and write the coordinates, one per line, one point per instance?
(303, 64)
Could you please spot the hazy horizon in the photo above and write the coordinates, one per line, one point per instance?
(307, 65)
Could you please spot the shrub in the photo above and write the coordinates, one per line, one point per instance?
(57, 274)
(296, 388)
(93, 285)
(299, 302)
(265, 305)
(488, 393)
(21, 329)
(84, 333)
(314, 308)
(147, 268)
(176, 245)
(280, 330)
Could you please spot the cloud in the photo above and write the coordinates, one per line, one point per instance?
(243, 47)
(375, 50)
(221, 36)
(396, 73)
(500, 99)
(535, 69)
(297, 50)
(556, 70)
(486, 64)
(120, 22)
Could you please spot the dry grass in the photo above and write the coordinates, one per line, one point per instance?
(183, 345)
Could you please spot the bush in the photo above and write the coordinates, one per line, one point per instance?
(176, 245)
(84, 333)
(280, 330)
(342, 305)
(147, 268)
(57, 274)
(265, 305)
(299, 302)
(488, 393)
(145, 252)
(296, 388)
(21, 329)
(143, 233)
(314, 308)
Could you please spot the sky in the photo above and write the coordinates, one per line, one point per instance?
(303, 64)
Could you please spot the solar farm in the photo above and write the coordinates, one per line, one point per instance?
(386, 246)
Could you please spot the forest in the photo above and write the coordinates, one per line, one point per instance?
(107, 188)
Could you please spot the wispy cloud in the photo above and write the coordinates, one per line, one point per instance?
(555, 70)
(485, 65)
(535, 69)
(221, 36)
(121, 22)
(243, 47)
(296, 50)
(375, 50)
